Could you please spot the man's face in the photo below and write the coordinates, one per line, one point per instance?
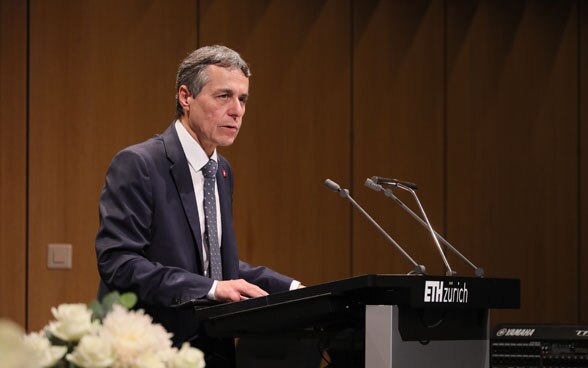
(214, 116)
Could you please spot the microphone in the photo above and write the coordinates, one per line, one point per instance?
(394, 182)
(371, 184)
(333, 186)
(418, 269)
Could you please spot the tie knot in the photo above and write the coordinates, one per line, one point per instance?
(209, 170)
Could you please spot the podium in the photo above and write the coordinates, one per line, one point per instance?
(392, 321)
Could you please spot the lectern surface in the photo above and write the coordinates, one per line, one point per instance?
(340, 304)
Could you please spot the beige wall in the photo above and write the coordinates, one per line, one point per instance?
(479, 102)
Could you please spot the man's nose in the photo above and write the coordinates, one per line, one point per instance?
(237, 108)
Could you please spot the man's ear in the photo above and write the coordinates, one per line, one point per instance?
(183, 94)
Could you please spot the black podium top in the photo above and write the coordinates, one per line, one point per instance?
(323, 305)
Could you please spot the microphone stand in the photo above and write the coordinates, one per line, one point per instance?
(479, 272)
(418, 269)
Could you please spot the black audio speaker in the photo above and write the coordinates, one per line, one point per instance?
(541, 346)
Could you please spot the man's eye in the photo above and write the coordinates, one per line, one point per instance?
(223, 97)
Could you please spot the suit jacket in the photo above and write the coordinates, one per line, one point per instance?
(149, 241)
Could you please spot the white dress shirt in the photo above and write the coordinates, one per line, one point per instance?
(197, 158)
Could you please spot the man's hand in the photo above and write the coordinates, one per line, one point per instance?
(235, 290)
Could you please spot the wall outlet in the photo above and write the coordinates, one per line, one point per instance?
(59, 256)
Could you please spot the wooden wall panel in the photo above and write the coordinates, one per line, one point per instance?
(512, 147)
(102, 77)
(397, 128)
(13, 31)
(341, 89)
(583, 126)
(295, 132)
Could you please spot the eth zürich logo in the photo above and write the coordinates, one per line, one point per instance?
(437, 292)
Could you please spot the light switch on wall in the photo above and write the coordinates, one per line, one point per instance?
(59, 256)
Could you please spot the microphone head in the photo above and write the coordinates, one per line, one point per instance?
(372, 185)
(332, 185)
(393, 182)
(408, 184)
(380, 180)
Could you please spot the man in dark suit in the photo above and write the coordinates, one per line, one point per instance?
(166, 230)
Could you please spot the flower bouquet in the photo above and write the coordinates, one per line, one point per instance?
(102, 335)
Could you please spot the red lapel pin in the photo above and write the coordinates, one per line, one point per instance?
(224, 173)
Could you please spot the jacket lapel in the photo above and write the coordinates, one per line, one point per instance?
(180, 173)
(228, 242)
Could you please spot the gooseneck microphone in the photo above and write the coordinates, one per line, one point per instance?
(401, 185)
(393, 182)
(331, 185)
(418, 269)
(376, 185)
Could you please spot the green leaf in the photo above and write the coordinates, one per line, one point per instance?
(98, 312)
(54, 340)
(109, 300)
(128, 300)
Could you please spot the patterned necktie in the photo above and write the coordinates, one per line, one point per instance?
(211, 233)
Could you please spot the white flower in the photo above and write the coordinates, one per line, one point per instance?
(92, 352)
(125, 339)
(149, 360)
(11, 334)
(40, 353)
(132, 334)
(187, 357)
(72, 321)
(11, 344)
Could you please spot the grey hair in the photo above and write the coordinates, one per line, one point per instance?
(192, 70)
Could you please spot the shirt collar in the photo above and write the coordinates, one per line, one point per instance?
(196, 156)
